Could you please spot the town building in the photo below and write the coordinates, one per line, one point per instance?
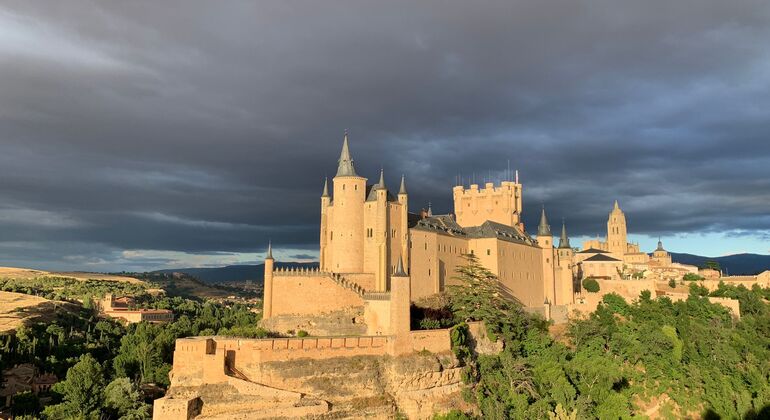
(24, 378)
(123, 308)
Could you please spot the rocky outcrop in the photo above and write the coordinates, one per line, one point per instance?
(418, 386)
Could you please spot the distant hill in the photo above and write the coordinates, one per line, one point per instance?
(231, 273)
(738, 264)
(733, 264)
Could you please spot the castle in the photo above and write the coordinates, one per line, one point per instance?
(366, 231)
(376, 259)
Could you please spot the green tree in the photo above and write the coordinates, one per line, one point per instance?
(478, 296)
(124, 401)
(591, 285)
(81, 391)
(25, 403)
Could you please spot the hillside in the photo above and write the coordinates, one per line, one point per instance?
(738, 264)
(17, 309)
(233, 273)
(28, 273)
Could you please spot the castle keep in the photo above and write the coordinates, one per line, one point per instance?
(366, 231)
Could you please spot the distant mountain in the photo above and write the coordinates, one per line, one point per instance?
(732, 264)
(231, 273)
(738, 264)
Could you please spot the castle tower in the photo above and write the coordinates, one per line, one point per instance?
(544, 237)
(345, 243)
(383, 235)
(617, 236)
(400, 299)
(267, 300)
(502, 204)
(403, 199)
(325, 202)
(564, 287)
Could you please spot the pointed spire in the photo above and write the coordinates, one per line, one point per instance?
(402, 190)
(326, 188)
(543, 229)
(617, 207)
(345, 166)
(381, 184)
(430, 209)
(660, 245)
(564, 239)
(400, 268)
(269, 250)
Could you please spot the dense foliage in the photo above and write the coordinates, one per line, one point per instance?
(590, 285)
(676, 359)
(102, 363)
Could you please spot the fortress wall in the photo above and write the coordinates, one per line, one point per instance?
(310, 295)
(434, 341)
(763, 280)
(207, 356)
(365, 280)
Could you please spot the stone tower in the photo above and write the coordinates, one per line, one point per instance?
(565, 256)
(474, 206)
(345, 243)
(364, 229)
(267, 304)
(617, 237)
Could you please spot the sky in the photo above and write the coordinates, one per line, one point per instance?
(145, 135)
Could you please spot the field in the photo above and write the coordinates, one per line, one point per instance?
(18, 308)
(27, 273)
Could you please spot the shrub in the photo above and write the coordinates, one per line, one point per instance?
(302, 333)
(672, 284)
(591, 285)
(692, 277)
(430, 324)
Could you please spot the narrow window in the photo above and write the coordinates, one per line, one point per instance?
(489, 252)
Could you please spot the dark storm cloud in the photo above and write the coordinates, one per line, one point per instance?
(207, 127)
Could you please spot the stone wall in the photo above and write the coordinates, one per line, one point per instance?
(310, 295)
(348, 321)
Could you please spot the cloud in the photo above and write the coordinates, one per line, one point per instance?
(203, 128)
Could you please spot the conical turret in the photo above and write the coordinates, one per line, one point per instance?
(402, 190)
(381, 183)
(269, 250)
(326, 188)
(400, 268)
(345, 167)
(543, 229)
(564, 239)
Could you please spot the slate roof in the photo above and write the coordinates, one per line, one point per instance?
(446, 225)
(602, 258)
(371, 193)
(443, 224)
(593, 251)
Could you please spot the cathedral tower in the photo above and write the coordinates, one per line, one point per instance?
(617, 237)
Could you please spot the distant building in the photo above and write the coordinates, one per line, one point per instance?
(120, 308)
(24, 378)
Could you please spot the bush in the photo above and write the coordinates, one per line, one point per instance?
(692, 277)
(302, 333)
(672, 284)
(591, 285)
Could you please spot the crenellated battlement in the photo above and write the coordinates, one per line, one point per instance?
(501, 204)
